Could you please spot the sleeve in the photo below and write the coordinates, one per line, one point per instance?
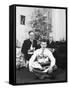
(51, 57)
(23, 49)
(32, 59)
(35, 44)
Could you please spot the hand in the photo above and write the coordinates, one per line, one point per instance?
(22, 55)
(50, 70)
(45, 70)
(41, 68)
(30, 69)
(53, 50)
(26, 64)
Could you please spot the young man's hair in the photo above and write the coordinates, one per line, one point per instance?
(43, 40)
(30, 32)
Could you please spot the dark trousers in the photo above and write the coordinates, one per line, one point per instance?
(39, 74)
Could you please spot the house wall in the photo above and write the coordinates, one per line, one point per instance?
(58, 24)
(22, 30)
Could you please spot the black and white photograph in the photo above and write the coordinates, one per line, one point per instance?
(41, 45)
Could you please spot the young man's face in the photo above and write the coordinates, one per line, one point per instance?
(51, 39)
(43, 44)
(31, 35)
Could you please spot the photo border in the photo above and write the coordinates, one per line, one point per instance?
(37, 6)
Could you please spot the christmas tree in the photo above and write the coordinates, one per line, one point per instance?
(41, 22)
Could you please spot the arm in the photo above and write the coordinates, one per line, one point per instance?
(31, 61)
(51, 57)
(23, 47)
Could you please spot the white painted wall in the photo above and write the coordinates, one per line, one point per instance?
(22, 30)
(58, 23)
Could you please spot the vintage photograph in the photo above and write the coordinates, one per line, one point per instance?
(41, 45)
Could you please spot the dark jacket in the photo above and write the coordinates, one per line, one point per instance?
(51, 45)
(26, 46)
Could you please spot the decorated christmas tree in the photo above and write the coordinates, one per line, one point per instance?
(41, 23)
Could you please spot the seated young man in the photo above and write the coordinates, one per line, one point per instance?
(42, 62)
(29, 46)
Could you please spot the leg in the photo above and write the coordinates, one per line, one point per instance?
(52, 72)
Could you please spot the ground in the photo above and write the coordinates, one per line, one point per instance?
(24, 76)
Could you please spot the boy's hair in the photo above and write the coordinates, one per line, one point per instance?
(43, 40)
(30, 32)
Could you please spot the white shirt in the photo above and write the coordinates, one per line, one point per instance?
(38, 52)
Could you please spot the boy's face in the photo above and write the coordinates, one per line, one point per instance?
(51, 39)
(43, 44)
(31, 35)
